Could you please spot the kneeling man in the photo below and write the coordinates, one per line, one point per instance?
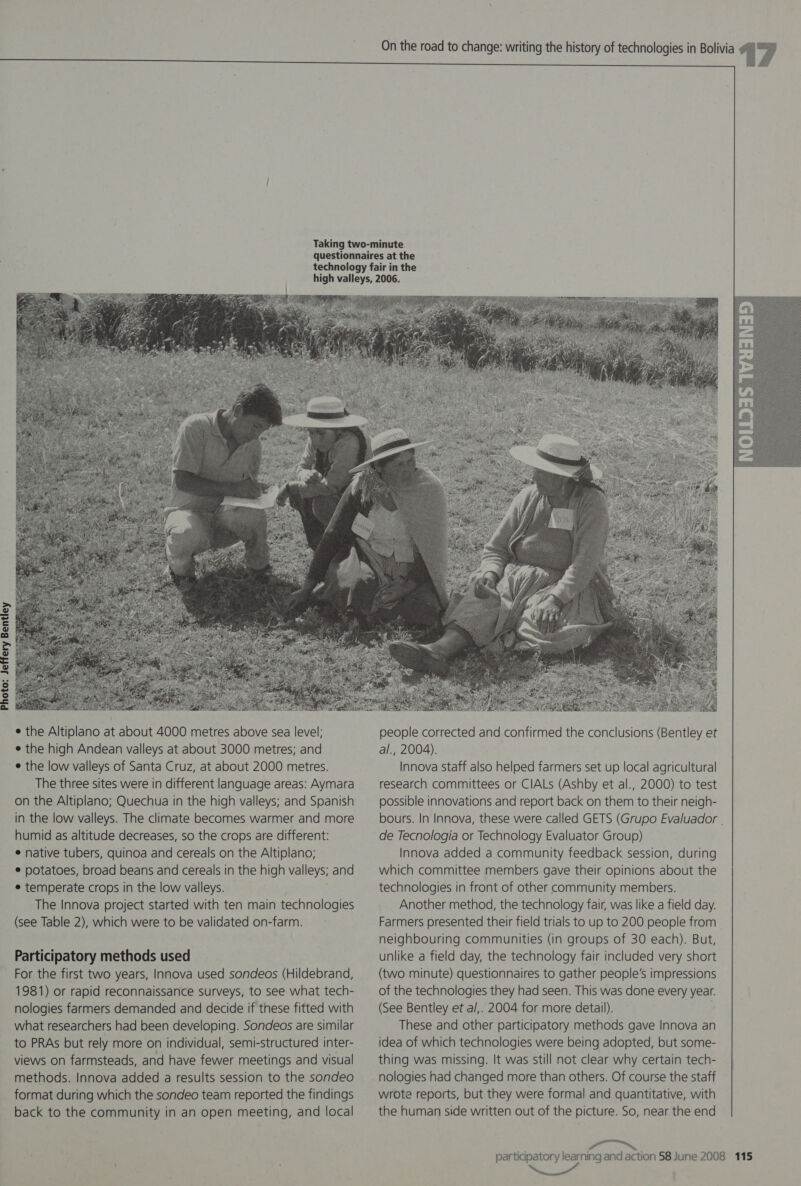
(218, 454)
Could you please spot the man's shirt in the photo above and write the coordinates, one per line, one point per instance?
(200, 448)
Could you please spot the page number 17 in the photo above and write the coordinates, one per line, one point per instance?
(750, 50)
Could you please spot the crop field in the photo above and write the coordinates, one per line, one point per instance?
(101, 626)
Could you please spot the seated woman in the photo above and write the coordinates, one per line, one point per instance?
(335, 444)
(541, 585)
(384, 552)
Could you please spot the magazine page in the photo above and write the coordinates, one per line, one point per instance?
(399, 682)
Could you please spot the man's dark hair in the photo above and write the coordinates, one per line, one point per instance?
(261, 402)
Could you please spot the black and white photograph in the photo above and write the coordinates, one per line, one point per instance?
(247, 502)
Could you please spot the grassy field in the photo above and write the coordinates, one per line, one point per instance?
(100, 625)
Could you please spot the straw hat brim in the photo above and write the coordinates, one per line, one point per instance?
(530, 455)
(301, 420)
(385, 453)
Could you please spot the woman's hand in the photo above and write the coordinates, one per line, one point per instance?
(300, 599)
(390, 594)
(488, 580)
(484, 583)
(289, 493)
(547, 615)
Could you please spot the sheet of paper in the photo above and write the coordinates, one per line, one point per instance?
(280, 909)
(262, 503)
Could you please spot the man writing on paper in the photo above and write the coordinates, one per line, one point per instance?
(218, 455)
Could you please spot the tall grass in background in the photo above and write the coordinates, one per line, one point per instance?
(677, 350)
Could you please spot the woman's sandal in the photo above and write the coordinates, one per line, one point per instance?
(418, 658)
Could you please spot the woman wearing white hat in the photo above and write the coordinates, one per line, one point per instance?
(541, 585)
(334, 445)
(384, 551)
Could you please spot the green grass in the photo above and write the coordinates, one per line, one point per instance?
(100, 626)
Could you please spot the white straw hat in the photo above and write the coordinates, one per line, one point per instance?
(325, 411)
(386, 443)
(556, 455)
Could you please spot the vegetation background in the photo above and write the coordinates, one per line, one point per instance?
(101, 392)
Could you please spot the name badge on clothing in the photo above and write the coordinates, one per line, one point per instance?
(562, 518)
(362, 527)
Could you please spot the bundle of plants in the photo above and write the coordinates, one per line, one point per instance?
(100, 321)
(244, 324)
(397, 338)
(495, 311)
(331, 336)
(619, 320)
(553, 318)
(693, 325)
(673, 364)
